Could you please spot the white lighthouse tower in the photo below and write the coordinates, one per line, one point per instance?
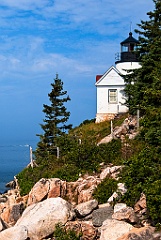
(128, 58)
(110, 85)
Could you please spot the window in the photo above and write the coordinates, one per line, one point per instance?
(112, 96)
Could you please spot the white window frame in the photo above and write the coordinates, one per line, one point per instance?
(112, 95)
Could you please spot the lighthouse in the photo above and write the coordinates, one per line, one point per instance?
(128, 59)
(110, 85)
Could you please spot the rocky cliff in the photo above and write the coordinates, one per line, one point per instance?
(53, 201)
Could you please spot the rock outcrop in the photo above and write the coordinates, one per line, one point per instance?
(84, 209)
(126, 214)
(11, 206)
(144, 233)
(101, 214)
(113, 229)
(39, 219)
(46, 188)
(35, 215)
(14, 233)
(128, 128)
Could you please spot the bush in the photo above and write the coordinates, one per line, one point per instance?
(74, 158)
(105, 189)
(84, 157)
(67, 172)
(142, 174)
(61, 234)
(26, 179)
(29, 176)
(153, 198)
(111, 152)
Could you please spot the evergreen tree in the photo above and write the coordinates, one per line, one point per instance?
(56, 117)
(143, 88)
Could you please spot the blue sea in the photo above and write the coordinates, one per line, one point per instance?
(14, 157)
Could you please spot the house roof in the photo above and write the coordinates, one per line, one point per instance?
(98, 77)
(111, 77)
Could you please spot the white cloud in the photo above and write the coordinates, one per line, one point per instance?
(78, 39)
(94, 15)
(24, 4)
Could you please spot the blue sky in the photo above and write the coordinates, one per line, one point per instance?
(77, 39)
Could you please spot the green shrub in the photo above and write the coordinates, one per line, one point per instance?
(74, 158)
(84, 156)
(142, 174)
(26, 180)
(110, 152)
(153, 198)
(67, 172)
(61, 234)
(29, 176)
(105, 189)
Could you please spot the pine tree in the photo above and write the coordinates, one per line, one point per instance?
(143, 88)
(56, 117)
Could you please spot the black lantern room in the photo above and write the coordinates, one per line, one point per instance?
(128, 50)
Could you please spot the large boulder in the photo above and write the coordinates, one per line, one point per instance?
(11, 206)
(39, 191)
(101, 214)
(40, 218)
(144, 233)
(15, 212)
(46, 188)
(86, 195)
(14, 233)
(57, 188)
(86, 188)
(81, 190)
(126, 214)
(84, 209)
(113, 229)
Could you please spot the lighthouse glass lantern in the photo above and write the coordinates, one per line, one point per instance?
(128, 58)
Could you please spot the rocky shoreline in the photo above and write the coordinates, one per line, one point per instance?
(53, 201)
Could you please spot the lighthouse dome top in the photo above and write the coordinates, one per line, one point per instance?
(128, 58)
(130, 39)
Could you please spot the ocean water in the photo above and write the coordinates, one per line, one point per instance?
(14, 157)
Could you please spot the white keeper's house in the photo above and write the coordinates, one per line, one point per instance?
(110, 86)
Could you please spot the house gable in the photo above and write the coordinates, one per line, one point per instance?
(110, 78)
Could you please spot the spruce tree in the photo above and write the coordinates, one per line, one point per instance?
(143, 90)
(56, 117)
(143, 85)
